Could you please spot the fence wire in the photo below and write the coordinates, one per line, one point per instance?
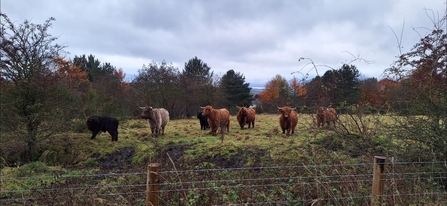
(406, 183)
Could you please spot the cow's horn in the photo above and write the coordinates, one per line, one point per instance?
(140, 106)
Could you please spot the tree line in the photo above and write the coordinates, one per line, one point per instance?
(42, 92)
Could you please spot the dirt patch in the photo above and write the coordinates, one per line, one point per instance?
(239, 158)
(120, 159)
(174, 153)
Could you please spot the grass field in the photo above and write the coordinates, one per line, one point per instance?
(319, 153)
(185, 135)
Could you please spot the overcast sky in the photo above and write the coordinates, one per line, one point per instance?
(258, 39)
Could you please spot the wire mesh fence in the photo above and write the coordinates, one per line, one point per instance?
(406, 183)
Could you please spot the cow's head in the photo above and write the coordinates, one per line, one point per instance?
(207, 110)
(242, 111)
(93, 121)
(321, 111)
(147, 112)
(285, 111)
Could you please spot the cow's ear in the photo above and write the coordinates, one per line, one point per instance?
(279, 110)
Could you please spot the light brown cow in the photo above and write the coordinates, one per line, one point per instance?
(326, 116)
(217, 118)
(246, 116)
(157, 118)
(288, 119)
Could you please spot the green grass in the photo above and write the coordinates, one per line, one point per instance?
(184, 147)
(78, 149)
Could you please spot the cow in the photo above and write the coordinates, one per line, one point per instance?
(246, 116)
(326, 116)
(103, 123)
(217, 118)
(157, 119)
(203, 121)
(288, 119)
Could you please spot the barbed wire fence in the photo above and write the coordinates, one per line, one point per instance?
(405, 183)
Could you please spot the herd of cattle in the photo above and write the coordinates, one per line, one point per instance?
(210, 118)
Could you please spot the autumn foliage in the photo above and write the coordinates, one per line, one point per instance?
(72, 74)
(281, 92)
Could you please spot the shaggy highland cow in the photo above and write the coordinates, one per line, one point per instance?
(157, 118)
(217, 118)
(288, 119)
(246, 116)
(102, 123)
(326, 116)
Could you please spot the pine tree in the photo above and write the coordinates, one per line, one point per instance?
(237, 92)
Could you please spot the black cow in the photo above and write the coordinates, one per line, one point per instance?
(102, 123)
(203, 121)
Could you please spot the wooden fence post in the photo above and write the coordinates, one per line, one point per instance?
(378, 183)
(153, 184)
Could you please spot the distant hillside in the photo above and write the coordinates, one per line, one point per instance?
(256, 90)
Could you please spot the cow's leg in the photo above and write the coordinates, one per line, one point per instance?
(152, 131)
(114, 134)
(162, 130)
(156, 131)
(95, 132)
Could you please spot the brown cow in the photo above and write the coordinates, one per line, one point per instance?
(216, 118)
(326, 116)
(288, 119)
(246, 116)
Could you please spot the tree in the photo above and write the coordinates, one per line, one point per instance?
(112, 91)
(197, 82)
(316, 95)
(369, 93)
(385, 89)
(236, 91)
(158, 85)
(75, 80)
(93, 67)
(298, 92)
(275, 93)
(33, 96)
(196, 68)
(108, 92)
(423, 74)
(342, 85)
